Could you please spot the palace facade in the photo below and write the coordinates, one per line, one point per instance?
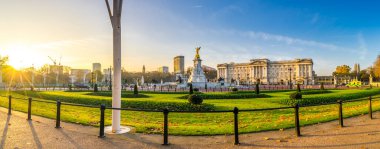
(265, 71)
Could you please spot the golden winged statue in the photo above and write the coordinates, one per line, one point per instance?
(197, 56)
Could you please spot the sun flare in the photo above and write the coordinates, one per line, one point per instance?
(21, 56)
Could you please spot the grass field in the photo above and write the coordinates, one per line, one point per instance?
(194, 123)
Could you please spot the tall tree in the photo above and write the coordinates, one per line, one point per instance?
(3, 61)
(342, 70)
(376, 67)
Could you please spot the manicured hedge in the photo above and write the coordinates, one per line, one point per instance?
(173, 106)
(311, 92)
(228, 96)
(143, 105)
(124, 95)
(331, 98)
(159, 92)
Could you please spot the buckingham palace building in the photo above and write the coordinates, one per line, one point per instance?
(264, 71)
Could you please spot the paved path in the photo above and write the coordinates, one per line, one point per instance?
(17, 132)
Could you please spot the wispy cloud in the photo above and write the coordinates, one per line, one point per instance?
(362, 46)
(315, 18)
(198, 6)
(289, 40)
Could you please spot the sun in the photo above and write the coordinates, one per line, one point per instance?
(21, 56)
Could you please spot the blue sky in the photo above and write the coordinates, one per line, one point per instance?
(154, 31)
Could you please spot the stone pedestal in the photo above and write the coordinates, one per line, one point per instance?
(197, 77)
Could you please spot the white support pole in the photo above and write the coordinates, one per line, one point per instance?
(116, 86)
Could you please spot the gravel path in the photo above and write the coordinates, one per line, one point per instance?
(17, 132)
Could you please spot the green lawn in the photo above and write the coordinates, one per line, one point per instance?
(192, 123)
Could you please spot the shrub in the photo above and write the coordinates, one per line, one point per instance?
(298, 88)
(191, 89)
(196, 89)
(257, 88)
(322, 86)
(135, 90)
(235, 89)
(96, 88)
(70, 87)
(195, 99)
(295, 96)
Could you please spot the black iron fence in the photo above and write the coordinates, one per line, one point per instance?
(166, 112)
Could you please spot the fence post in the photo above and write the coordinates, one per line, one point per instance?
(236, 126)
(370, 107)
(297, 120)
(10, 105)
(29, 109)
(166, 135)
(101, 127)
(58, 119)
(340, 113)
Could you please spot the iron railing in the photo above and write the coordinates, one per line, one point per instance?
(166, 112)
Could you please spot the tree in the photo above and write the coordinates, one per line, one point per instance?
(257, 88)
(298, 88)
(210, 73)
(376, 67)
(342, 70)
(135, 91)
(191, 89)
(96, 87)
(3, 61)
(364, 76)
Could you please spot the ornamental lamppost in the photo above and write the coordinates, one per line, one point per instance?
(92, 79)
(290, 78)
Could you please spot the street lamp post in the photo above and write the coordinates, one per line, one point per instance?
(110, 82)
(290, 78)
(92, 79)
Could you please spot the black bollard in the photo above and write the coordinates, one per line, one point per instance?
(29, 109)
(340, 113)
(10, 105)
(236, 126)
(101, 127)
(166, 135)
(297, 120)
(58, 119)
(370, 107)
